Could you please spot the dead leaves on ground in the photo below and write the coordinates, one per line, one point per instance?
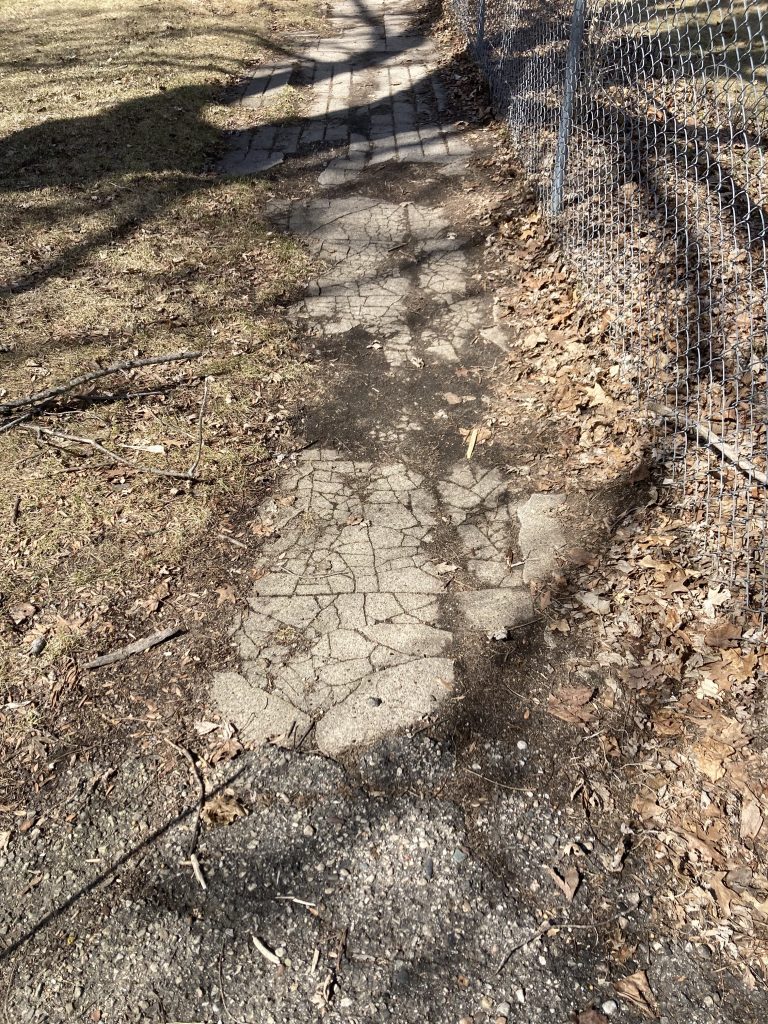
(568, 883)
(634, 989)
(223, 809)
(681, 673)
(572, 704)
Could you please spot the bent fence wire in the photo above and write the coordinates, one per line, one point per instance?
(645, 125)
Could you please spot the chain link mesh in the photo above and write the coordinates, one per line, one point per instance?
(662, 209)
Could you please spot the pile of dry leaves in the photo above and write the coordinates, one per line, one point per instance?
(679, 712)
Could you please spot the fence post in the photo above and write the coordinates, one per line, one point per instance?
(572, 61)
(480, 37)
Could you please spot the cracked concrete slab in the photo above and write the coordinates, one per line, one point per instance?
(357, 238)
(349, 625)
(351, 631)
(541, 535)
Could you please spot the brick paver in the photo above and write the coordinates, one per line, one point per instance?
(371, 82)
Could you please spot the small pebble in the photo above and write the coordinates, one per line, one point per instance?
(522, 745)
(37, 645)
(466, 1020)
(486, 1002)
(309, 831)
(610, 1006)
(503, 1009)
(374, 702)
(520, 995)
(500, 1020)
(459, 856)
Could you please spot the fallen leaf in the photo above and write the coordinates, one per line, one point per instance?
(635, 989)
(593, 602)
(568, 883)
(751, 816)
(723, 634)
(226, 751)
(223, 809)
(569, 704)
(580, 556)
(153, 601)
(21, 612)
(204, 728)
(710, 756)
(445, 567)
(560, 626)
(648, 809)
(226, 595)
(714, 599)
(591, 1016)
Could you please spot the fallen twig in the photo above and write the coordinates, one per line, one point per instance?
(91, 443)
(544, 926)
(231, 540)
(196, 463)
(198, 814)
(266, 952)
(707, 436)
(14, 423)
(295, 899)
(86, 378)
(135, 648)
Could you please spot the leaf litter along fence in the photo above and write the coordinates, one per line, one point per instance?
(645, 125)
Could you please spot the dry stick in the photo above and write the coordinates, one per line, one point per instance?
(135, 648)
(526, 942)
(198, 816)
(707, 436)
(89, 441)
(86, 378)
(13, 423)
(196, 463)
(201, 797)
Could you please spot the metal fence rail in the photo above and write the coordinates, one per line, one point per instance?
(645, 125)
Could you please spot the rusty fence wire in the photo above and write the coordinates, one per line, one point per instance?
(645, 126)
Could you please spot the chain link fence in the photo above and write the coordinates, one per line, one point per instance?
(645, 125)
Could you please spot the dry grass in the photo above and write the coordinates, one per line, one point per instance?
(116, 241)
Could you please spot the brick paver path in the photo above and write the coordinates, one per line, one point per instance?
(373, 98)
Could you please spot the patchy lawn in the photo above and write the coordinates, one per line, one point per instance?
(118, 242)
